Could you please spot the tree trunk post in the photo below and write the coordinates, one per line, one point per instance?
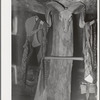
(58, 85)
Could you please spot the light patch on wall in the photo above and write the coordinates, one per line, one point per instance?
(15, 27)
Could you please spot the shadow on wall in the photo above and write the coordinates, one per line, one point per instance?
(77, 65)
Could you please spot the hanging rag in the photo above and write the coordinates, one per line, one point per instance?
(88, 53)
(25, 54)
(31, 26)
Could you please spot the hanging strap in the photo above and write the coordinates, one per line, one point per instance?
(36, 25)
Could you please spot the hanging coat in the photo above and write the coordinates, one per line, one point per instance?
(34, 35)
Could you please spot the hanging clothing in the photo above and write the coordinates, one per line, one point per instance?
(36, 36)
(88, 52)
(25, 54)
(29, 25)
(32, 26)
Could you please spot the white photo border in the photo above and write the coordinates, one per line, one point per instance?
(6, 87)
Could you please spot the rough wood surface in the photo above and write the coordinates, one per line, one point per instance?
(59, 80)
(58, 83)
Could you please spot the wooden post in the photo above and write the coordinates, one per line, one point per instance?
(58, 81)
(58, 85)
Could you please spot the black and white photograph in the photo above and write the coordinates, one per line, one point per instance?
(54, 50)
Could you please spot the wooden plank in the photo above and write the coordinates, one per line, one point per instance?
(66, 58)
(58, 85)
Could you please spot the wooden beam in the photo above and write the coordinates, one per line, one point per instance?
(65, 58)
